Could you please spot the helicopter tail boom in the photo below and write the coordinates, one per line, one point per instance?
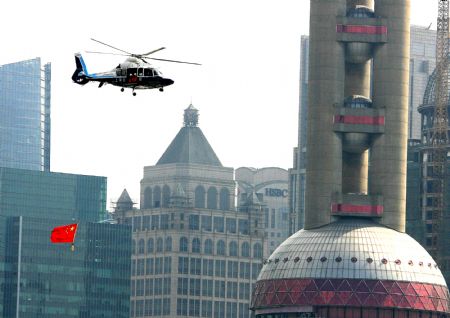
(81, 75)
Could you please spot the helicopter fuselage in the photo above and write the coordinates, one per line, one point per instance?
(130, 74)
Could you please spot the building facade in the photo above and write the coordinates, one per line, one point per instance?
(195, 253)
(271, 188)
(91, 281)
(25, 115)
(353, 259)
(422, 62)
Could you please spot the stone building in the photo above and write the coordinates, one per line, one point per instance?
(195, 253)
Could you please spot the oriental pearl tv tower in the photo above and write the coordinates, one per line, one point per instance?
(353, 258)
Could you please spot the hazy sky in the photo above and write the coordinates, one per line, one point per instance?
(246, 90)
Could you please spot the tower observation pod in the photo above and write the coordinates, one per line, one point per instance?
(353, 258)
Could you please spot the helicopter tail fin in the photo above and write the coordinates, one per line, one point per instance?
(80, 76)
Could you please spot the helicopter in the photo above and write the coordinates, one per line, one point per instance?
(135, 72)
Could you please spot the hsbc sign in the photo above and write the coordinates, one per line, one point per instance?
(270, 192)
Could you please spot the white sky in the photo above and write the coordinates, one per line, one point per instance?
(246, 91)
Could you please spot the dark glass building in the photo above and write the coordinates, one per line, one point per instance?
(25, 115)
(91, 281)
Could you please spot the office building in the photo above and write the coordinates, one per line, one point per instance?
(91, 281)
(195, 253)
(25, 115)
(353, 259)
(271, 188)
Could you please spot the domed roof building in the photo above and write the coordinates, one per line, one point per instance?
(350, 267)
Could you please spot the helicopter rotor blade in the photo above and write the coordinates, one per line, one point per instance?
(107, 53)
(111, 46)
(154, 51)
(174, 61)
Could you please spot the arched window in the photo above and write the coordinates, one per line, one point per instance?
(233, 248)
(221, 248)
(141, 246)
(224, 203)
(212, 198)
(196, 246)
(209, 247)
(159, 244)
(165, 196)
(133, 247)
(184, 245)
(147, 198)
(168, 244)
(245, 250)
(157, 197)
(257, 250)
(200, 197)
(150, 245)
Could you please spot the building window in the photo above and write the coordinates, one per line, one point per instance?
(164, 222)
(209, 247)
(245, 249)
(196, 246)
(233, 249)
(196, 266)
(207, 308)
(147, 198)
(183, 265)
(166, 286)
(194, 287)
(207, 287)
(137, 223)
(149, 287)
(232, 309)
(231, 225)
(148, 307)
(206, 223)
(257, 250)
(182, 305)
(221, 248)
(219, 224)
(159, 245)
(150, 245)
(159, 265)
(165, 196)
(232, 290)
(194, 222)
(219, 288)
(167, 265)
(194, 307)
(212, 198)
(140, 269)
(208, 267)
(244, 291)
(182, 288)
(146, 223)
(184, 244)
(157, 197)
(200, 197)
(256, 267)
(273, 219)
(243, 227)
(149, 270)
(224, 203)
(141, 246)
(220, 267)
(166, 306)
(133, 247)
(233, 269)
(244, 270)
(219, 309)
(168, 244)
(155, 222)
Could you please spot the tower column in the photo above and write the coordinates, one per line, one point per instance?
(326, 89)
(390, 91)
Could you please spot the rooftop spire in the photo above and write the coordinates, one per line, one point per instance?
(190, 116)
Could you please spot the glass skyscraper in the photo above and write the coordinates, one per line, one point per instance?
(25, 93)
(91, 281)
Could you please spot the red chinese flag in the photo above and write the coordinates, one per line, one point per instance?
(64, 234)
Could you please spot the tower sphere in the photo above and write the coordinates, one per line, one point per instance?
(351, 263)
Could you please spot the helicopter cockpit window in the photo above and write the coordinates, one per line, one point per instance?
(140, 71)
(148, 72)
(131, 71)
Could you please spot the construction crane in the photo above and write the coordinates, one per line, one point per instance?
(436, 148)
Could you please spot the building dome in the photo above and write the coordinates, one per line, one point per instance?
(429, 97)
(348, 264)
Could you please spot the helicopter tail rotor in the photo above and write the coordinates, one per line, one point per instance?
(80, 74)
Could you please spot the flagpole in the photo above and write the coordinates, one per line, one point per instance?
(19, 263)
(72, 248)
